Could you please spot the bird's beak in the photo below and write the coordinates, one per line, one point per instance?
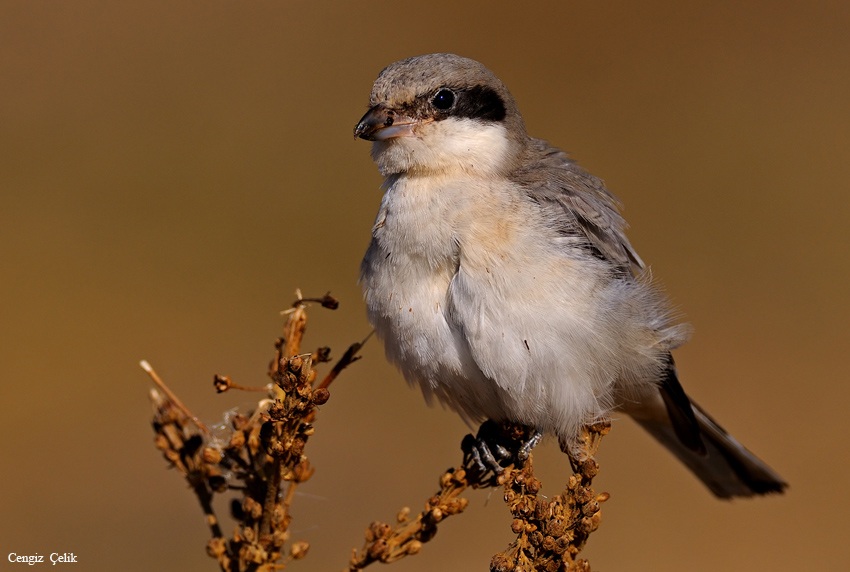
(381, 123)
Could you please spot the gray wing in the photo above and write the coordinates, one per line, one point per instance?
(577, 203)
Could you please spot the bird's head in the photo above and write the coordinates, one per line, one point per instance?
(442, 113)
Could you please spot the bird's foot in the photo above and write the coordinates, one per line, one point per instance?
(495, 447)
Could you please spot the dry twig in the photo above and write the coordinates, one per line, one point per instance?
(550, 533)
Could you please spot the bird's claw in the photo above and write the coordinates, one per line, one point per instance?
(525, 449)
(495, 447)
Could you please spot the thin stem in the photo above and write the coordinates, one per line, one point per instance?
(172, 396)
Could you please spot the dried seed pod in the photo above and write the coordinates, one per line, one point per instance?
(413, 547)
(211, 455)
(320, 396)
(299, 550)
(295, 364)
(378, 550)
(222, 383)
(501, 563)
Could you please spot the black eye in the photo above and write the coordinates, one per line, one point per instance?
(443, 99)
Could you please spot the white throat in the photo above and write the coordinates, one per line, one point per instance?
(446, 147)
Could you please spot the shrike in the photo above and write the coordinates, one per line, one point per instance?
(501, 281)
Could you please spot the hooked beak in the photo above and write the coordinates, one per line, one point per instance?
(381, 123)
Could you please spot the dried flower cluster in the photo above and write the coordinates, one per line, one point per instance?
(261, 460)
(385, 543)
(550, 533)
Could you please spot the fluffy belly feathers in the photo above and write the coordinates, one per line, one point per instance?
(459, 309)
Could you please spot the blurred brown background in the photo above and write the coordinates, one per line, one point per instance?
(171, 171)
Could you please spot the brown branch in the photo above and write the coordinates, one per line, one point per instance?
(223, 383)
(349, 357)
(550, 533)
(327, 301)
(385, 543)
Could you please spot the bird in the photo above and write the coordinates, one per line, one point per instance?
(501, 282)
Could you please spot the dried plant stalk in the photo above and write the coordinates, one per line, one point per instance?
(385, 543)
(261, 458)
(550, 533)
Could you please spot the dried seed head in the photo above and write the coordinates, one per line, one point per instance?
(286, 380)
(211, 455)
(237, 440)
(590, 508)
(222, 383)
(253, 553)
(456, 506)
(322, 355)
(536, 538)
(216, 547)
(378, 530)
(586, 525)
(299, 550)
(248, 533)
(541, 509)
(556, 527)
(279, 537)
(320, 396)
(295, 364)
(252, 508)
(584, 495)
(304, 391)
(501, 563)
(161, 442)
(590, 468)
(329, 302)
(306, 367)
(298, 445)
(446, 479)
(239, 422)
(276, 412)
(378, 549)
(413, 547)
